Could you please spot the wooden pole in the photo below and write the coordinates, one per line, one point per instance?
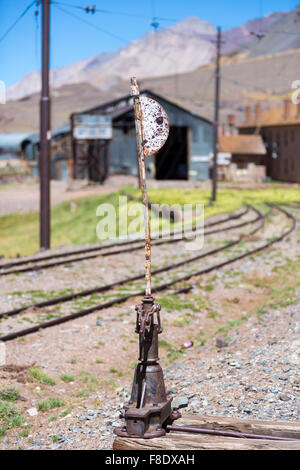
(216, 120)
(45, 132)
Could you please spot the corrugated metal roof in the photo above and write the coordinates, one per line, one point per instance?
(242, 144)
(13, 140)
(61, 130)
(122, 103)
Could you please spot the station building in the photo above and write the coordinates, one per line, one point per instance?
(185, 155)
(280, 131)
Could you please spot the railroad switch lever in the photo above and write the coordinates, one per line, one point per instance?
(149, 411)
(145, 318)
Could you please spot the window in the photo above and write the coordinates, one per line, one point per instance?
(292, 135)
(241, 165)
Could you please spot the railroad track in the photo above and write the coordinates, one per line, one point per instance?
(5, 269)
(162, 287)
(107, 287)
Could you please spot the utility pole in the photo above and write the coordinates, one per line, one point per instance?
(45, 132)
(216, 119)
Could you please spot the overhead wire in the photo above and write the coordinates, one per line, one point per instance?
(17, 21)
(79, 18)
(110, 12)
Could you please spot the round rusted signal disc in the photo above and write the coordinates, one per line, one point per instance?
(155, 125)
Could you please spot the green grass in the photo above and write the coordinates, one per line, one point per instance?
(181, 321)
(25, 432)
(9, 394)
(175, 302)
(87, 378)
(40, 376)
(52, 418)
(66, 378)
(82, 394)
(50, 403)
(10, 417)
(79, 226)
(66, 412)
(115, 371)
(232, 324)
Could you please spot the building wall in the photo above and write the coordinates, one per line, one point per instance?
(283, 151)
(283, 147)
(123, 156)
(200, 139)
(123, 152)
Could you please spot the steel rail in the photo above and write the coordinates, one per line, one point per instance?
(34, 259)
(160, 288)
(115, 252)
(84, 293)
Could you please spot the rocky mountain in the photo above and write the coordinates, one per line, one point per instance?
(281, 36)
(241, 38)
(180, 48)
(244, 81)
(174, 50)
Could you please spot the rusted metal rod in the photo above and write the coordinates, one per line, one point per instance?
(217, 432)
(135, 93)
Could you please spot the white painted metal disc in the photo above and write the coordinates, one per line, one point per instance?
(155, 125)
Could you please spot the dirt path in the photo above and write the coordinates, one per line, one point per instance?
(23, 198)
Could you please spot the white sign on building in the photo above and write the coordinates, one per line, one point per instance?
(92, 126)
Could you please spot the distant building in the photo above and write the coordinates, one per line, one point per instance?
(185, 154)
(19, 149)
(17, 145)
(280, 130)
(247, 158)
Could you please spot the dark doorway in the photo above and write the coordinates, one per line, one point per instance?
(171, 160)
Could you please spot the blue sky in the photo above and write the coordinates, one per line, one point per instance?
(74, 40)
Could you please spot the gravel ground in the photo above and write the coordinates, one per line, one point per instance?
(244, 361)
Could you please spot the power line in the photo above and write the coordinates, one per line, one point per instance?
(17, 20)
(263, 34)
(93, 10)
(91, 24)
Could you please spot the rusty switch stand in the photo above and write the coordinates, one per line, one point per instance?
(149, 410)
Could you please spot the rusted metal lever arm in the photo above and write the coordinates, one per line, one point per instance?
(139, 136)
(217, 432)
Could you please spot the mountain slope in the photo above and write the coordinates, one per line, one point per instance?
(281, 36)
(241, 37)
(178, 49)
(265, 79)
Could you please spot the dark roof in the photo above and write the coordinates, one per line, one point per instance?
(105, 106)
